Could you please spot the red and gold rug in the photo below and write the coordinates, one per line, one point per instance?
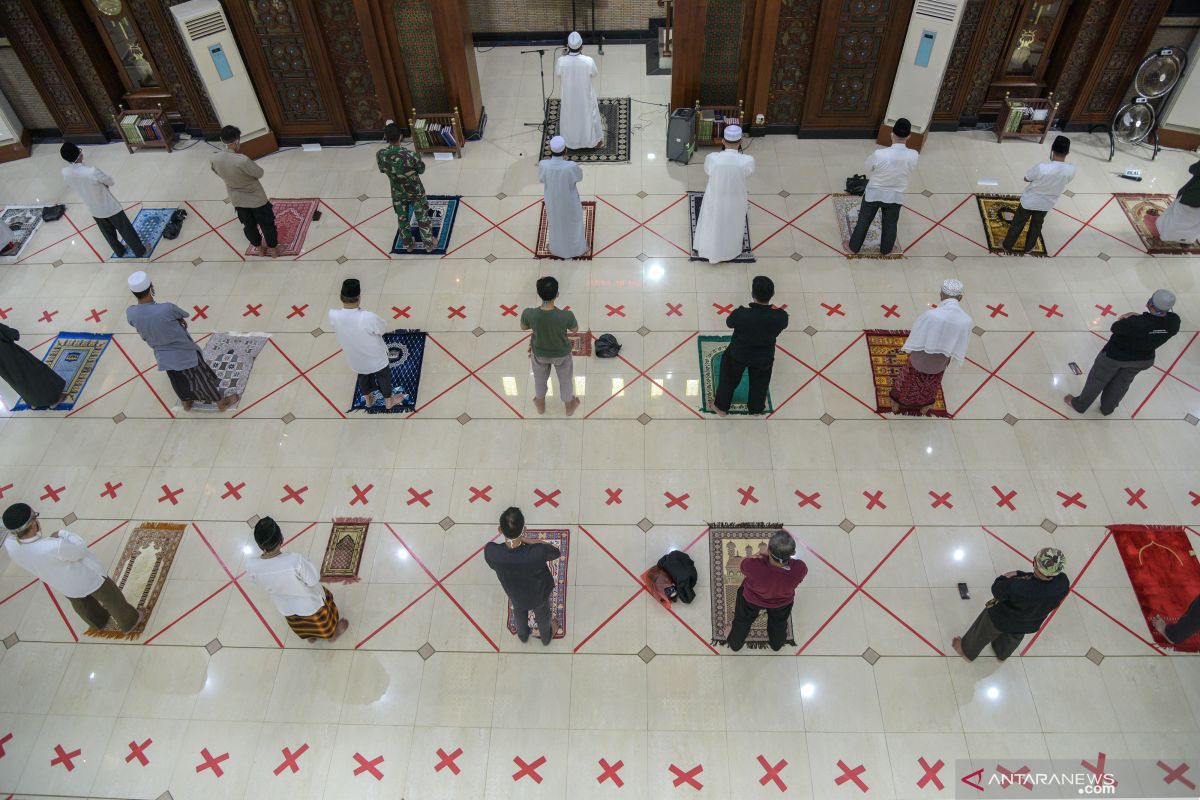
(1143, 211)
(142, 572)
(560, 538)
(292, 218)
(589, 226)
(887, 358)
(343, 553)
(1165, 574)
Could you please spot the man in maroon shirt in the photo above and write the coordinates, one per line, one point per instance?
(769, 585)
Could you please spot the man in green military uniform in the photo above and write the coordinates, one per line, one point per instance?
(403, 169)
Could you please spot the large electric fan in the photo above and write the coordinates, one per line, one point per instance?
(1136, 122)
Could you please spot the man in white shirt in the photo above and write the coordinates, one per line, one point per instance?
(91, 184)
(579, 115)
(294, 586)
(63, 562)
(1047, 181)
(564, 209)
(360, 333)
(721, 225)
(888, 171)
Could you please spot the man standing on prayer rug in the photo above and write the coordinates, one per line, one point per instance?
(63, 562)
(91, 184)
(721, 226)
(769, 585)
(294, 586)
(33, 381)
(1020, 603)
(940, 335)
(163, 326)
(752, 347)
(888, 170)
(403, 170)
(564, 210)
(246, 194)
(549, 346)
(360, 334)
(523, 567)
(579, 114)
(1180, 223)
(1046, 180)
(1129, 350)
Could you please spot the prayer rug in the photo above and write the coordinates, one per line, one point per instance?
(292, 218)
(149, 224)
(561, 539)
(694, 201)
(443, 209)
(845, 207)
(343, 554)
(142, 572)
(406, 349)
(711, 349)
(1165, 574)
(73, 356)
(589, 227)
(23, 221)
(581, 343)
(997, 212)
(1143, 211)
(231, 356)
(614, 114)
(728, 544)
(883, 348)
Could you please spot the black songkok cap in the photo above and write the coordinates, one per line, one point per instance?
(1062, 145)
(17, 516)
(902, 127)
(69, 152)
(267, 534)
(351, 289)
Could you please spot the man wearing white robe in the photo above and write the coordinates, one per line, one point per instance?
(564, 210)
(1180, 223)
(722, 222)
(579, 115)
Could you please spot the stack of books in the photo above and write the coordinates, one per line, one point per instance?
(141, 129)
(428, 135)
(704, 125)
(1016, 115)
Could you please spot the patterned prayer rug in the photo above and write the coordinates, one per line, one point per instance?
(728, 544)
(845, 208)
(614, 114)
(149, 224)
(561, 539)
(883, 348)
(231, 356)
(589, 228)
(694, 201)
(292, 218)
(406, 349)
(73, 356)
(997, 212)
(23, 221)
(711, 349)
(1143, 211)
(142, 572)
(443, 210)
(1165, 574)
(344, 552)
(581, 343)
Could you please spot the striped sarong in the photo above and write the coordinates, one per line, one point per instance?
(197, 384)
(320, 625)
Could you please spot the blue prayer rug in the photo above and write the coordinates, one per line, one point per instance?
(73, 356)
(442, 211)
(406, 349)
(149, 224)
(695, 199)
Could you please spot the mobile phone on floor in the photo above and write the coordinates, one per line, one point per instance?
(1075, 368)
(962, 592)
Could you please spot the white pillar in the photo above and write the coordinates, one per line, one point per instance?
(1181, 118)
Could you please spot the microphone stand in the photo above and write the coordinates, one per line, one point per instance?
(542, 72)
(599, 36)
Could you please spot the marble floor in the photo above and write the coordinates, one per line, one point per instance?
(428, 696)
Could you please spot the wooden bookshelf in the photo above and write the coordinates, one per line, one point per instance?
(144, 127)
(721, 114)
(422, 141)
(1026, 117)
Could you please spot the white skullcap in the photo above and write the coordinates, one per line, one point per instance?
(139, 282)
(952, 287)
(574, 41)
(558, 144)
(733, 133)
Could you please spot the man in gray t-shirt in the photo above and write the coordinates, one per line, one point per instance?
(550, 346)
(163, 326)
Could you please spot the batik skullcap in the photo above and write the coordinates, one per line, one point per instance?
(1050, 561)
(17, 517)
(558, 144)
(139, 281)
(733, 133)
(267, 534)
(952, 287)
(574, 41)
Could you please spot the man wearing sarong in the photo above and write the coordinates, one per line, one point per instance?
(32, 380)
(522, 565)
(564, 210)
(403, 170)
(163, 326)
(294, 586)
(579, 114)
(721, 225)
(1020, 603)
(940, 335)
(1180, 223)
(768, 584)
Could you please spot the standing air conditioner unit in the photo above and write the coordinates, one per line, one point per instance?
(210, 41)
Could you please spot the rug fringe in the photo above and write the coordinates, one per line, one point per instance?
(340, 579)
(351, 520)
(884, 332)
(752, 525)
(177, 527)
(106, 634)
(1137, 527)
(877, 257)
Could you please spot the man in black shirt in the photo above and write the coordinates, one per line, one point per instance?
(1020, 603)
(521, 566)
(1129, 351)
(755, 329)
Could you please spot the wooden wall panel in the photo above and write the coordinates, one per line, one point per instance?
(174, 64)
(1108, 78)
(345, 44)
(950, 98)
(687, 63)
(723, 26)
(82, 48)
(794, 45)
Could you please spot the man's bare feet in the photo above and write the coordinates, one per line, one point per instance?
(540, 404)
(572, 406)
(227, 401)
(1159, 623)
(956, 643)
(1070, 400)
(142, 614)
(256, 250)
(926, 409)
(187, 405)
(725, 631)
(272, 252)
(895, 407)
(391, 402)
(720, 413)
(342, 625)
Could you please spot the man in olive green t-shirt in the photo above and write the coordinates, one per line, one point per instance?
(550, 346)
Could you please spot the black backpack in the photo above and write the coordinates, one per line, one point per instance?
(51, 213)
(682, 569)
(856, 184)
(607, 346)
(171, 229)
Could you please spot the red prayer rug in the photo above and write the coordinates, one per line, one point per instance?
(589, 226)
(292, 218)
(887, 359)
(560, 538)
(1143, 211)
(1165, 574)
